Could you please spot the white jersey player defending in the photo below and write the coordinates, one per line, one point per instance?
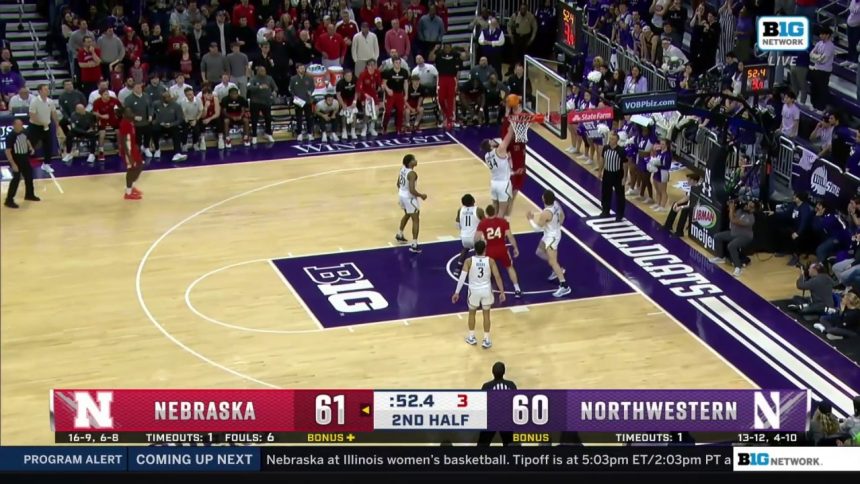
(479, 268)
(499, 163)
(467, 220)
(550, 220)
(410, 201)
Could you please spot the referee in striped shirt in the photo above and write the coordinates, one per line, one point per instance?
(497, 383)
(613, 178)
(18, 151)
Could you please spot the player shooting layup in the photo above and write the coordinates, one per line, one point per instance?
(410, 201)
(517, 152)
(479, 267)
(499, 163)
(550, 220)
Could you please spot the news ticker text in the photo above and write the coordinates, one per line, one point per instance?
(424, 437)
(338, 459)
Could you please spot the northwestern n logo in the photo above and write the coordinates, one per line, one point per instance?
(770, 410)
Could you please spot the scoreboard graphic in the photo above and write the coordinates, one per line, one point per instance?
(419, 416)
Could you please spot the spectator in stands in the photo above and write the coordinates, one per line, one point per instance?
(823, 425)
(822, 136)
(155, 89)
(194, 16)
(261, 95)
(635, 82)
(6, 56)
(302, 88)
(222, 89)
(133, 46)
(738, 237)
(841, 141)
(519, 85)
(523, 28)
(179, 17)
(494, 98)
(365, 46)
(744, 35)
(483, 70)
(155, 47)
(89, 62)
(244, 10)
(674, 58)
(491, 41)
(847, 271)
(649, 46)
(676, 16)
(332, 47)
(393, 55)
(705, 40)
(244, 35)
(177, 90)
(448, 62)
(821, 59)
(846, 322)
(832, 232)
(221, 33)
(174, 45)
(123, 93)
(76, 43)
(398, 40)
(481, 22)
(390, 10)
(853, 24)
(347, 28)
(197, 41)
(431, 30)
(111, 51)
(167, 120)
(20, 103)
(681, 209)
(238, 66)
(441, 11)
(799, 221)
(267, 60)
(10, 81)
(266, 33)
(790, 115)
(139, 71)
(106, 110)
(304, 51)
(368, 12)
(213, 64)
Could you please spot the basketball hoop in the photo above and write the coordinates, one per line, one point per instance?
(520, 124)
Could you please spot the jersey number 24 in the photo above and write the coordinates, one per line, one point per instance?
(494, 233)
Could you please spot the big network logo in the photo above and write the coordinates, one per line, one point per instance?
(782, 33)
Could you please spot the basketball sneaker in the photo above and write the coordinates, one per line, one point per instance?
(352, 133)
(132, 196)
(518, 294)
(471, 340)
(562, 291)
(400, 238)
(101, 155)
(91, 158)
(372, 130)
(270, 138)
(246, 141)
(135, 190)
(157, 154)
(325, 137)
(343, 133)
(487, 344)
(254, 140)
(553, 277)
(228, 143)
(415, 249)
(334, 137)
(221, 144)
(47, 168)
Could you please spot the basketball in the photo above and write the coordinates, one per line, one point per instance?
(513, 100)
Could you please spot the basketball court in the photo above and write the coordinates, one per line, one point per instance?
(276, 267)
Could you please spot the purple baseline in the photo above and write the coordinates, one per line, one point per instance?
(729, 347)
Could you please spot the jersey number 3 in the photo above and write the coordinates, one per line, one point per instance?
(494, 233)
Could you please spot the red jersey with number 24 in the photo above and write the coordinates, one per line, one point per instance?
(127, 131)
(493, 229)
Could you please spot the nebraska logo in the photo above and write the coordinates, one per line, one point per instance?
(602, 114)
(705, 216)
(93, 414)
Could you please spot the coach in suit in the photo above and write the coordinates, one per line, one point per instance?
(220, 32)
(497, 383)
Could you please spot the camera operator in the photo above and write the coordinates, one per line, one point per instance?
(820, 287)
(739, 235)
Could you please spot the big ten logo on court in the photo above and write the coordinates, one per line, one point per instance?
(770, 410)
(782, 33)
(753, 458)
(93, 413)
(346, 288)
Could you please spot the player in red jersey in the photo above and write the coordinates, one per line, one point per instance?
(129, 152)
(495, 230)
(369, 84)
(105, 108)
(517, 153)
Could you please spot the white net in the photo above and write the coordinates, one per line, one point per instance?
(520, 125)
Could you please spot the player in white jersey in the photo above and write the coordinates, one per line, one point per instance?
(410, 201)
(550, 220)
(479, 268)
(499, 162)
(467, 220)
